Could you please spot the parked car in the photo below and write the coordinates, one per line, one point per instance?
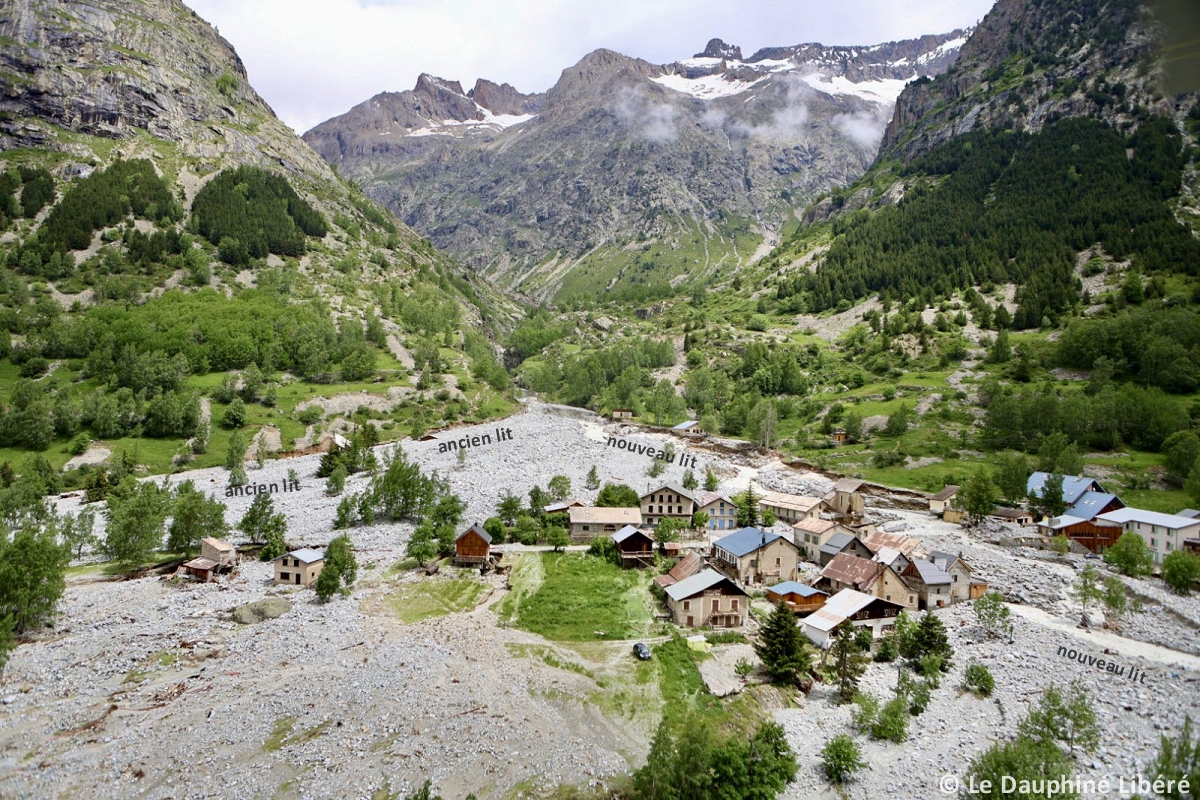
(641, 651)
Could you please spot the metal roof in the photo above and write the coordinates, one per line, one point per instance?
(697, 583)
(838, 609)
(812, 525)
(487, 537)
(1058, 523)
(217, 544)
(1171, 521)
(745, 541)
(847, 485)
(688, 425)
(932, 573)
(305, 554)
(792, 502)
(1090, 504)
(625, 533)
(704, 498)
(688, 565)
(794, 587)
(201, 563)
(845, 568)
(604, 515)
(880, 539)
(1073, 486)
(948, 491)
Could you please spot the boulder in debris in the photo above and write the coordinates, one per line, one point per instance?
(260, 610)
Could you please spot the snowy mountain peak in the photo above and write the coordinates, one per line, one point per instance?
(716, 48)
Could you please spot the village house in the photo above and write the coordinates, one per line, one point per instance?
(866, 576)
(688, 566)
(588, 522)
(691, 428)
(861, 610)
(634, 546)
(801, 599)
(1074, 486)
(810, 534)
(789, 507)
(299, 567)
(752, 556)
(1081, 522)
(668, 500)
(842, 542)
(472, 546)
(891, 557)
(940, 501)
(1164, 533)
(1013, 516)
(845, 499)
(721, 510)
(878, 540)
(707, 599)
(622, 413)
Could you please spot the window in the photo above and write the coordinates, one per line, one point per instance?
(284, 576)
(586, 528)
(735, 604)
(716, 605)
(778, 562)
(687, 604)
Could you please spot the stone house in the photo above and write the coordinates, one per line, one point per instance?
(753, 556)
(707, 599)
(588, 522)
(668, 500)
(811, 534)
(721, 510)
(790, 507)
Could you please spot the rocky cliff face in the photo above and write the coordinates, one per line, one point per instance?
(686, 166)
(1032, 61)
(117, 70)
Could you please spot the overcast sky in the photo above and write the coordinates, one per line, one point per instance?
(314, 59)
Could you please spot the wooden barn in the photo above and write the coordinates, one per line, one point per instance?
(472, 546)
(635, 547)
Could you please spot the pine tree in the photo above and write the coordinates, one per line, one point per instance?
(710, 480)
(747, 509)
(781, 647)
(849, 662)
(195, 516)
(593, 479)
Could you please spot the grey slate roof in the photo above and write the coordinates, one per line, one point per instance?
(697, 583)
(1090, 504)
(794, 587)
(676, 488)
(837, 543)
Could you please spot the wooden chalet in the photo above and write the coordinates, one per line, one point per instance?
(634, 546)
(472, 546)
(840, 436)
(801, 599)
(1082, 523)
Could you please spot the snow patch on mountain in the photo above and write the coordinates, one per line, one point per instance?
(707, 87)
(880, 90)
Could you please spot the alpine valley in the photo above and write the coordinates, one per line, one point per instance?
(817, 422)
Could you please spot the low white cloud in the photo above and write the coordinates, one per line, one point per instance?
(864, 128)
(651, 119)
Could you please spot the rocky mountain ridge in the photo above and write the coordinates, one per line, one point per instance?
(627, 175)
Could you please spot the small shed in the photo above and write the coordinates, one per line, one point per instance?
(634, 546)
(1017, 516)
(472, 546)
(801, 599)
(201, 568)
(622, 413)
(840, 436)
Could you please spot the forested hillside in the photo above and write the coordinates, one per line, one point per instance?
(188, 283)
